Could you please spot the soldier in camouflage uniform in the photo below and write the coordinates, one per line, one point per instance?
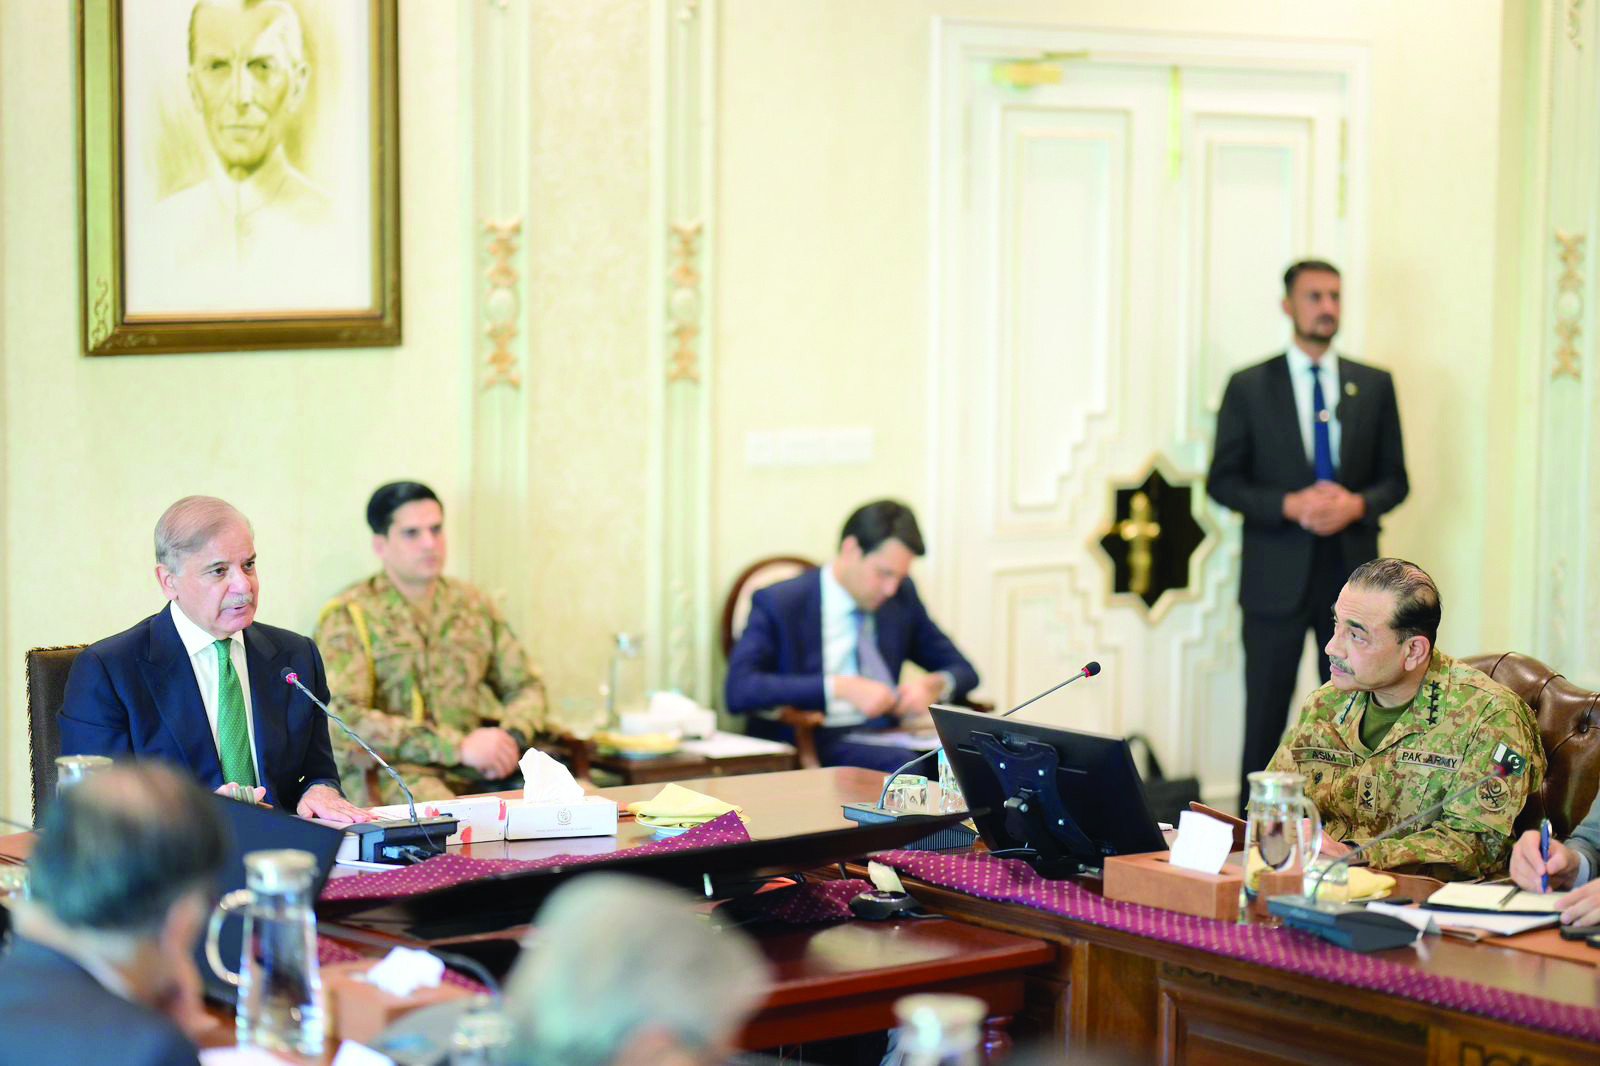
(424, 667)
(1401, 726)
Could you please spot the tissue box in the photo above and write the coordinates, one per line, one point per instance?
(591, 816)
(1151, 880)
(480, 819)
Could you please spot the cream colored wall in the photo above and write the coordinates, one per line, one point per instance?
(823, 248)
(95, 448)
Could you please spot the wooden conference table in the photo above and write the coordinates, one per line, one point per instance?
(1146, 1000)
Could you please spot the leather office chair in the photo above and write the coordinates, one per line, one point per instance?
(46, 672)
(736, 612)
(1569, 726)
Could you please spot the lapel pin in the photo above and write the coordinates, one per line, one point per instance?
(1350, 388)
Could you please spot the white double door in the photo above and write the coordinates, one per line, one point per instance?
(1109, 249)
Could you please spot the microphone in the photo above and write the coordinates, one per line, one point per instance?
(1089, 670)
(1352, 926)
(382, 845)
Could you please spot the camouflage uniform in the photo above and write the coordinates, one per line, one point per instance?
(414, 686)
(1443, 742)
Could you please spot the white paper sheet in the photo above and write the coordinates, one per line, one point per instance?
(1203, 843)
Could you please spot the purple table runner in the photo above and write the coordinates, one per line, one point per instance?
(1014, 881)
(449, 870)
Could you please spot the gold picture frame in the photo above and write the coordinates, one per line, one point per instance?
(239, 175)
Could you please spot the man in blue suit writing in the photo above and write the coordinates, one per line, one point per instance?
(199, 686)
(834, 639)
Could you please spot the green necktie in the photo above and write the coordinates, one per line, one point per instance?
(233, 733)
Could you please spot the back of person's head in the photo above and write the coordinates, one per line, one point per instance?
(1417, 608)
(119, 848)
(620, 970)
(390, 498)
(881, 520)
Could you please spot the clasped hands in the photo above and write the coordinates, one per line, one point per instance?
(1325, 508)
(1583, 906)
(875, 699)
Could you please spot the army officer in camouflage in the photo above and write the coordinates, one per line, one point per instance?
(424, 666)
(1402, 725)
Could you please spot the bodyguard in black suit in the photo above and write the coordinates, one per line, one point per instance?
(1308, 451)
(101, 967)
(200, 685)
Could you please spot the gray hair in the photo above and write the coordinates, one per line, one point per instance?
(614, 956)
(188, 525)
(118, 849)
(1417, 609)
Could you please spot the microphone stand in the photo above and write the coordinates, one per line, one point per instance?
(865, 815)
(382, 845)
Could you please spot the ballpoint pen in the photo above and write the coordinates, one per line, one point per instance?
(1544, 853)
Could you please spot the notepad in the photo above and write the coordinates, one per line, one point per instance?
(1496, 899)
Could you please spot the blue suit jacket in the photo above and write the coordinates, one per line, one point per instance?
(778, 660)
(53, 1010)
(135, 694)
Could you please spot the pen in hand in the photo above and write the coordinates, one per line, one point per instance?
(1544, 853)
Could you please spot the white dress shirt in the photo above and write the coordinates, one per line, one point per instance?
(203, 659)
(1300, 366)
(839, 640)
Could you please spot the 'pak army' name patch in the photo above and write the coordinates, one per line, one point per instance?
(1429, 759)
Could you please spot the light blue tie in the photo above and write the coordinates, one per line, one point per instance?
(869, 660)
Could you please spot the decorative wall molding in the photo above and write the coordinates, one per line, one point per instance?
(497, 140)
(1569, 304)
(683, 303)
(682, 200)
(1558, 411)
(502, 302)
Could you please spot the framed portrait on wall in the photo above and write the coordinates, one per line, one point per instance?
(240, 174)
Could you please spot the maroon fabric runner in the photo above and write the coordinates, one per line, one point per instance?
(446, 871)
(1014, 881)
(806, 903)
(330, 952)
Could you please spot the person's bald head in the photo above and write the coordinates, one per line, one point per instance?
(117, 850)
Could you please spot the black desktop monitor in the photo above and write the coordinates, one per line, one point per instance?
(1067, 798)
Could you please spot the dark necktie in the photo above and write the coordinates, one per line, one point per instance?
(869, 660)
(1321, 442)
(233, 732)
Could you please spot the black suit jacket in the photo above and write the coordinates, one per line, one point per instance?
(136, 694)
(54, 1011)
(1260, 457)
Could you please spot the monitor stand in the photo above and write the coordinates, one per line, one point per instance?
(1034, 811)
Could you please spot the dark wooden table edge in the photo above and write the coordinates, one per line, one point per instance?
(972, 909)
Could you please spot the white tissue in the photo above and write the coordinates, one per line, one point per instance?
(546, 781)
(404, 970)
(1203, 843)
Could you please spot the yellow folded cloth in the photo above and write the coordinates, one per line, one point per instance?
(1362, 886)
(638, 743)
(676, 807)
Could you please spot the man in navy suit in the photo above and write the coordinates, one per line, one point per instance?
(101, 968)
(198, 685)
(834, 639)
(1308, 451)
